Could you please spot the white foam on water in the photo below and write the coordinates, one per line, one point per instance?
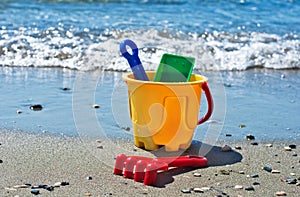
(213, 51)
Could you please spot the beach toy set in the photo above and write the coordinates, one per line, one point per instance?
(164, 105)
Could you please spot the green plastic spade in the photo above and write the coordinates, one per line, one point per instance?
(174, 68)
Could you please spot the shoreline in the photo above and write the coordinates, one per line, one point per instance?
(48, 159)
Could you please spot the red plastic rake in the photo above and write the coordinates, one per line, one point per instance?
(144, 168)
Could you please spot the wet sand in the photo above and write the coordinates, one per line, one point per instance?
(86, 165)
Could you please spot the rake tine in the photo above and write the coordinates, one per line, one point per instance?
(140, 170)
(119, 165)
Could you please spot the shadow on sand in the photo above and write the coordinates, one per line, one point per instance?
(213, 154)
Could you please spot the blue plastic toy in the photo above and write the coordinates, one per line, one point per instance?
(133, 60)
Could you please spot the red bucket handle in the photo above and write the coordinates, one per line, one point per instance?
(210, 104)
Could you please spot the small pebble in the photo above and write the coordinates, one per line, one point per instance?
(228, 135)
(66, 89)
(49, 188)
(198, 190)
(19, 111)
(249, 188)
(226, 148)
(293, 146)
(1, 161)
(35, 191)
(224, 172)
(100, 147)
(253, 176)
(287, 148)
(295, 155)
(57, 184)
(96, 106)
(254, 143)
(135, 149)
(267, 168)
(185, 191)
(37, 107)
(64, 183)
(250, 137)
(241, 172)
(293, 174)
(89, 178)
(205, 188)
(256, 183)
(227, 85)
(197, 174)
(87, 194)
(269, 145)
(38, 186)
(21, 186)
(291, 180)
(126, 128)
(238, 147)
(242, 125)
(275, 171)
(281, 193)
(238, 187)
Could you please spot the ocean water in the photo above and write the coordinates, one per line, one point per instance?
(85, 35)
(249, 50)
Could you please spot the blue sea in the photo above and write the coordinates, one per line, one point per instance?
(249, 50)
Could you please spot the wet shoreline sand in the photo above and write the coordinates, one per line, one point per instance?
(48, 159)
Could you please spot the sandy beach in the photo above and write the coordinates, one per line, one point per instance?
(42, 159)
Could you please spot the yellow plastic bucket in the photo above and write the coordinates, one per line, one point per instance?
(166, 114)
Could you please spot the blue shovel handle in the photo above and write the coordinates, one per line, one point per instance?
(133, 60)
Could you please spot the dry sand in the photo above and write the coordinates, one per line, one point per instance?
(46, 159)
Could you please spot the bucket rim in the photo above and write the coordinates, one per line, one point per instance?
(126, 77)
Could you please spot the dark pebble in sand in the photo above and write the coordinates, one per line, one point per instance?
(38, 186)
(249, 188)
(37, 107)
(49, 188)
(267, 168)
(295, 155)
(292, 146)
(238, 147)
(35, 191)
(126, 128)
(66, 89)
(1, 161)
(64, 183)
(250, 137)
(224, 172)
(227, 84)
(228, 135)
(89, 178)
(291, 180)
(254, 143)
(96, 106)
(256, 183)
